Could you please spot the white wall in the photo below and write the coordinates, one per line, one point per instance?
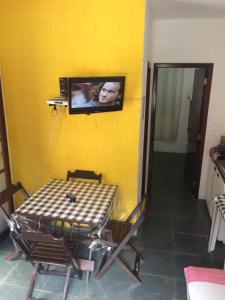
(180, 144)
(201, 41)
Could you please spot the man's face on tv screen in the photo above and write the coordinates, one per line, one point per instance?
(109, 93)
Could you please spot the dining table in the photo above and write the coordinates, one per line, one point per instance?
(91, 203)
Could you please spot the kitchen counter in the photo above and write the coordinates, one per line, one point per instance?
(215, 187)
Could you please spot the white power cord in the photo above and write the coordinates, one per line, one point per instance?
(57, 116)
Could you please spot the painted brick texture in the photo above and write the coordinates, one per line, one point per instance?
(42, 40)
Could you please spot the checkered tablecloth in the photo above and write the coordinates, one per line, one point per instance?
(93, 202)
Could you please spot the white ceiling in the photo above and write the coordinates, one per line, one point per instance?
(178, 9)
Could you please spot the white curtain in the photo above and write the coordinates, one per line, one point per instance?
(168, 103)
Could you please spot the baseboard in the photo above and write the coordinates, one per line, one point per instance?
(4, 235)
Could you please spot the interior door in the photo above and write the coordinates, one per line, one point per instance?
(146, 124)
(193, 130)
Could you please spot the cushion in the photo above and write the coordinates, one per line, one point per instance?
(205, 283)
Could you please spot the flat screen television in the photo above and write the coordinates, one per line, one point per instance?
(95, 94)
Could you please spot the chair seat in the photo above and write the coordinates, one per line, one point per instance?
(205, 283)
(55, 254)
(118, 229)
(51, 253)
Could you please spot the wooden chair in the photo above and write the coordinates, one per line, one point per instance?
(44, 250)
(5, 196)
(83, 174)
(118, 236)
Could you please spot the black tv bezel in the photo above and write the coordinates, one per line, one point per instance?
(97, 109)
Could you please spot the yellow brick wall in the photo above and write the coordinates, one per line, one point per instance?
(42, 40)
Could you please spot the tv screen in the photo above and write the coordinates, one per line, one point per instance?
(95, 94)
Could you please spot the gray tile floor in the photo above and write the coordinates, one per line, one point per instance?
(176, 232)
(175, 235)
(115, 284)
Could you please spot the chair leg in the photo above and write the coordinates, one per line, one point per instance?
(76, 267)
(67, 282)
(13, 254)
(137, 265)
(32, 282)
(133, 275)
(136, 251)
(105, 256)
(88, 272)
(47, 268)
(54, 227)
(71, 232)
(62, 228)
(214, 229)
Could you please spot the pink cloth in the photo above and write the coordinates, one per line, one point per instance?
(194, 274)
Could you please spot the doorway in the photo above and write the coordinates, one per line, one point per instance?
(178, 123)
(177, 226)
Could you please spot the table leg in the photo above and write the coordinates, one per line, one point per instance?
(89, 258)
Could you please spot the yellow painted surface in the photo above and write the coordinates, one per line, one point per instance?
(42, 40)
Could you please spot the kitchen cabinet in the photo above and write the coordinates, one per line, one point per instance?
(215, 186)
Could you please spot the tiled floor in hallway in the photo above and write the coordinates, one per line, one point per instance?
(176, 232)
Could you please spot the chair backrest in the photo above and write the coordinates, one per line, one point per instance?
(8, 193)
(122, 241)
(38, 236)
(139, 209)
(28, 238)
(119, 229)
(84, 174)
